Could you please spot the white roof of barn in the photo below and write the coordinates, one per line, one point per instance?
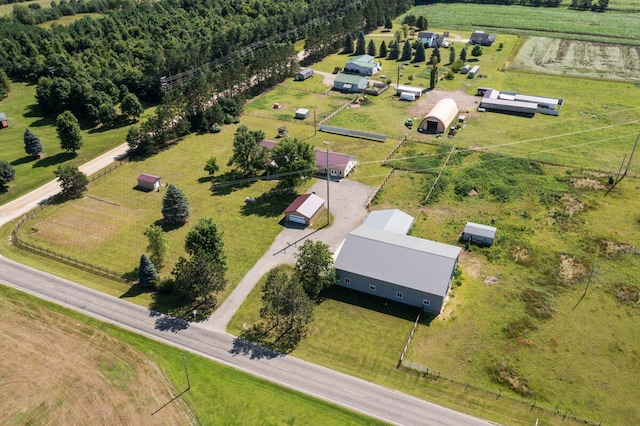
(480, 230)
(444, 111)
(403, 260)
(392, 220)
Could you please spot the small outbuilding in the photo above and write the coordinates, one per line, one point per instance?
(350, 83)
(4, 121)
(415, 91)
(440, 117)
(149, 182)
(304, 209)
(304, 74)
(476, 233)
(302, 113)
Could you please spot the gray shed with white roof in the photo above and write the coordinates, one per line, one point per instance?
(399, 267)
(479, 234)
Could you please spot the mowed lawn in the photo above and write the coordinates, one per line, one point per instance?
(128, 362)
(22, 111)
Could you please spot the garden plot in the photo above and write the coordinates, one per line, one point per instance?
(579, 58)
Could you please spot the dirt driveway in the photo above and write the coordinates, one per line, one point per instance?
(347, 204)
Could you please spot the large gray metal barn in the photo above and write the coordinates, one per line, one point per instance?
(377, 259)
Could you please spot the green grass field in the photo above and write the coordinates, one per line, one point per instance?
(22, 110)
(219, 395)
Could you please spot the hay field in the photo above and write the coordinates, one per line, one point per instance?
(608, 61)
(55, 370)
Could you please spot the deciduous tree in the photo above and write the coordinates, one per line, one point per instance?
(32, 144)
(476, 51)
(314, 268)
(131, 106)
(147, 274)
(197, 278)
(158, 244)
(211, 166)
(422, 23)
(175, 206)
(68, 130)
(205, 237)
(295, 161)
(7, 173)
(5, 84)
(72, 181)
(248, 155)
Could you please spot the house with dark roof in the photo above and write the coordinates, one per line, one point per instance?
(482, 38)
(363, 64)
(339, 164)
(149, 182)
(304, 209)
(351, 83)
(378, 259)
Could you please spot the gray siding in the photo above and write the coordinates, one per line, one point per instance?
(389, 291)
(476, 239)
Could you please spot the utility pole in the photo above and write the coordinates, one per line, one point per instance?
(328, 210)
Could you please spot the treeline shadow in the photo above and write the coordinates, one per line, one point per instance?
(229, 182)
(269, 204)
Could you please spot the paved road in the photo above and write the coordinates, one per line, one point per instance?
(208, 340)
(350, 392)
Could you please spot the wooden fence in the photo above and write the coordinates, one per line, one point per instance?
(406, 345)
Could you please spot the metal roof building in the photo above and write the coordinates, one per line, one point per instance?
(399, 267)
(304, 209)
(440, 117)
(392, 220)
(477, 233)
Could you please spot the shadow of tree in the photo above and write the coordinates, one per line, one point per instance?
(269, 204)
(135, 290)
(167, 323)
(166, 227)
(268, 339)
(242, 346)
(60, 157)
(24, 160)
(229, 182)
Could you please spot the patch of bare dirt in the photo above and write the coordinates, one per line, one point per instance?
(572, 204)
(520, 254)
(570, 270)
(55, 370)
(587, 183)
(612, 248)
(466, 103)
(491, 280)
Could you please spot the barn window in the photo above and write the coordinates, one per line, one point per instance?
(399, 295)
(347, 281)
(372, 287)
(426, 302)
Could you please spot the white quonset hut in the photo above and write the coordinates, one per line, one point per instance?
(440, 117)
(304, 74)
(378, 259)
(304, 209)
(476, 233)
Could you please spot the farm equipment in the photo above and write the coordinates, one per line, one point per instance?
(282, 132)
(408, 123)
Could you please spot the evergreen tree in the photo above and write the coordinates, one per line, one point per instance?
(436, 54)
(422, 23)
(383, 49)
(407, 52)
(68, 130)
(361, 44)
(420, 53)
(476, 51)
(452, 54)
(32, 144)
(463, 54)
(7, 173)
(433, 81)
(175, 206)
(394, 50)
(147, 274)
(348, 44)
(371, 48)
(388, 23)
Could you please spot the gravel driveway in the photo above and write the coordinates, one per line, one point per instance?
(348, 207)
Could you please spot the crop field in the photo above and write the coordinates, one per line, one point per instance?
(545, 55)
(61, 367)
(618, 26)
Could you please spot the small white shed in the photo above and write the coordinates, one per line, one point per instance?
(302, 113)
(476, 233)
